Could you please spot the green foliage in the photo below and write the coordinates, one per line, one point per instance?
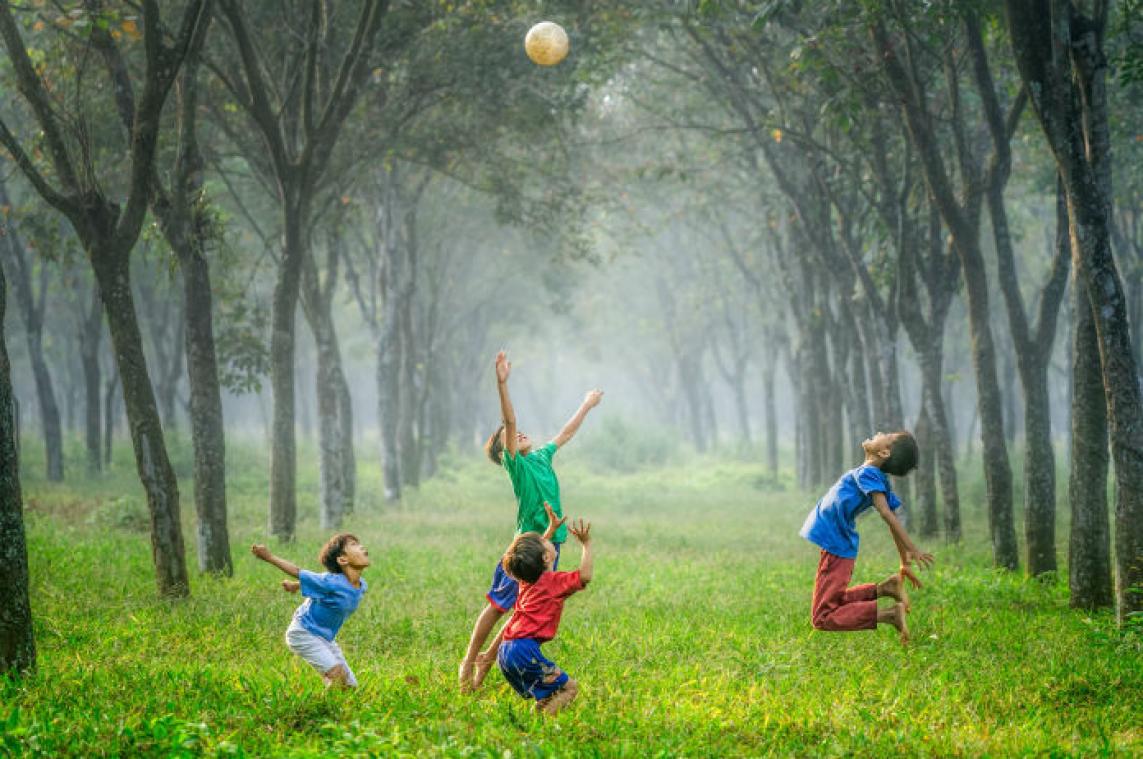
(693, 640)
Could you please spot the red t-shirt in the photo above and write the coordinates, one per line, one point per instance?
(539, 605)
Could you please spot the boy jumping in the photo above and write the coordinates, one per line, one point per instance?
(531, 560)
(534, 483)
(831, 526)
(330, 598)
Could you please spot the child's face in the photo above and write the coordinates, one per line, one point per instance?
(355, 555)
(523, 443)
(877, 447)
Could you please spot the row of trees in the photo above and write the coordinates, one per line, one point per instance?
(817, 177)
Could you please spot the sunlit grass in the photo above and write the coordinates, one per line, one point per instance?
(694, 638)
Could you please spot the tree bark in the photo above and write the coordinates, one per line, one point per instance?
(926, 487)
(90, 334)
(154, 467)
(770, 406)
(1089, 545)
(17, 641)
(109, 416)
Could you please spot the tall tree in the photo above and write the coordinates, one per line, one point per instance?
(1059, 49)
(17, 643)
(298, 111)
(902, 64)
(1033, 342)
(108, 232)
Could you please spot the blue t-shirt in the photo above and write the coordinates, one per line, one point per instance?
(330, 599)
(832, 523)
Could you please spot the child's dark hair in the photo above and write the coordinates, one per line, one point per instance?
(524, 559)
(902, 455)
(495, 446)
(333, 548)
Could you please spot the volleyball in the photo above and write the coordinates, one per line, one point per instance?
(546, 43)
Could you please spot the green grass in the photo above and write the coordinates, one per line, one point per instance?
(694, 638)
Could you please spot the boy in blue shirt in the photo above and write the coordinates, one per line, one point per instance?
(330, 598)
(832, 527)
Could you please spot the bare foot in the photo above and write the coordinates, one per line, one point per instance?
(464, 676)
(481, 669)
(560, 699)
(894, 587)
(895, 615)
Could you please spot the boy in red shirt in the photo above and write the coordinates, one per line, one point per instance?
(536, 616)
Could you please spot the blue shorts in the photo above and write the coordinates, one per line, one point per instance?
(528, 671)
(503, 592)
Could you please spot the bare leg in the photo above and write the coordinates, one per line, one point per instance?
(894, 587)
(484, 624)
(895, 615)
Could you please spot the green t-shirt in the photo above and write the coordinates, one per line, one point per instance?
(534, 481)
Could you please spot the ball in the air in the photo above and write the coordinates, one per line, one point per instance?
(546, 43)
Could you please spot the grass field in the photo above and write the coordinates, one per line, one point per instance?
(694, 639)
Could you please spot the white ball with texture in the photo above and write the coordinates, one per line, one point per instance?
(546, 43)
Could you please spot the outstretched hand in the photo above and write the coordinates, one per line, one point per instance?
(554, 522)
(593, 397)
(581, 528)
(261, 551)
(924, 560)
(503, 367)
(906, 573)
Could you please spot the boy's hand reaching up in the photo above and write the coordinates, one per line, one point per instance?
(554, 522)
(503, 367)
(261, 551)
(593, 397)
(581, 528)
(291, 586)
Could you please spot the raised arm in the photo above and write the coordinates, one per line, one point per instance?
(909, 552)
(263, 553)
(507, 413)
(582, 531)
(590, 401)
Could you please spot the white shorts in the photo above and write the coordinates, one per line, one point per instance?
(321, 654)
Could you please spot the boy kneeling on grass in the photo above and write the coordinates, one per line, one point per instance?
(330, 598)
(536, 615)
(832, 527)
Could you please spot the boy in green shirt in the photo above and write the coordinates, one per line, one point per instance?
(536, 488)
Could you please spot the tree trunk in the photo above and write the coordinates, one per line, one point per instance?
(940, 436)
(154, 467)
(283, 448)
(1089, 545)
(32, 312)
(348, 452)
(17, 643)
(208, 431)
(926, 490)
(109, 416)
(771, 417)
(1060, 55)
(329, 389)
(89, 338)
